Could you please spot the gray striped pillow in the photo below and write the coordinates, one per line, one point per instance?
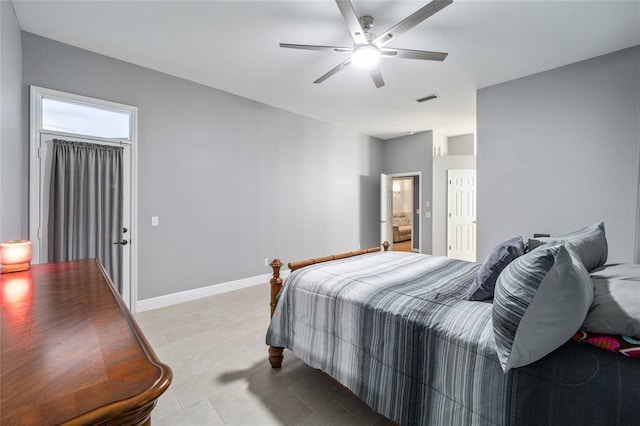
(540, 301)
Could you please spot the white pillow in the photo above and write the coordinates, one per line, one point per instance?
(540, 301)
(615, 308)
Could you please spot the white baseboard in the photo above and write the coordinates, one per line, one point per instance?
(198, 293)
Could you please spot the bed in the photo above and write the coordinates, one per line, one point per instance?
(397, 329)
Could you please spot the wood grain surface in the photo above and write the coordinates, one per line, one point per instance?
(71, 353)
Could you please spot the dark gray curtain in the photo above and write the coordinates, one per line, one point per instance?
(85, 205)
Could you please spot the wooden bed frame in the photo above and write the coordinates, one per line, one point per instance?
(275, 352)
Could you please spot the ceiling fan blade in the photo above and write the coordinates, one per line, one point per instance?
(351, 19)
(333, 71)
(413, 54)
(411, 21)
(314, 47)
(376, 76)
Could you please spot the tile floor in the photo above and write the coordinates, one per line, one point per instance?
(221, 376)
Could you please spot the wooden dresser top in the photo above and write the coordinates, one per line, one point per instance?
(70, 349)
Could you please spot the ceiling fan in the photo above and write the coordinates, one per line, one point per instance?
(368, 48)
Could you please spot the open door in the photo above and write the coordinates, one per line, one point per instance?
(386, 209)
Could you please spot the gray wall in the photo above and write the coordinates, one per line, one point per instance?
(440, 189)
(461, 144)
(559, 150)
(370, 196)
(413, 153)
(13, 150)
(233, 181)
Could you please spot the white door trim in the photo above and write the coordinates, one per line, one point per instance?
(35, 130)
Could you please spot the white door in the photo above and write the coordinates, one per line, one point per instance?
(41, 244)
(386, 210)
(461, 220)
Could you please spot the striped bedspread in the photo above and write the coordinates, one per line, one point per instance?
(394, 329)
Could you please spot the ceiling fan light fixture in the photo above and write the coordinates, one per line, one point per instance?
(367, 46)
(365, 56)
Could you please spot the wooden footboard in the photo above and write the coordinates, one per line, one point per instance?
(275, 353)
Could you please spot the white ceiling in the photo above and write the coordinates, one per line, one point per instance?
(233, 46)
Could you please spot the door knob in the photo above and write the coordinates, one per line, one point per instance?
(122, 243)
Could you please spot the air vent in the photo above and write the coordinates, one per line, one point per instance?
(428, 98)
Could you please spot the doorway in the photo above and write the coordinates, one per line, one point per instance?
(93, 122)
(403, 218)
(400, 213)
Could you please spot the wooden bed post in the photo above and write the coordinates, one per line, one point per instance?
(276, 283)
(275, 353)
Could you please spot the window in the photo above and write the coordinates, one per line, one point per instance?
(82, 119)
